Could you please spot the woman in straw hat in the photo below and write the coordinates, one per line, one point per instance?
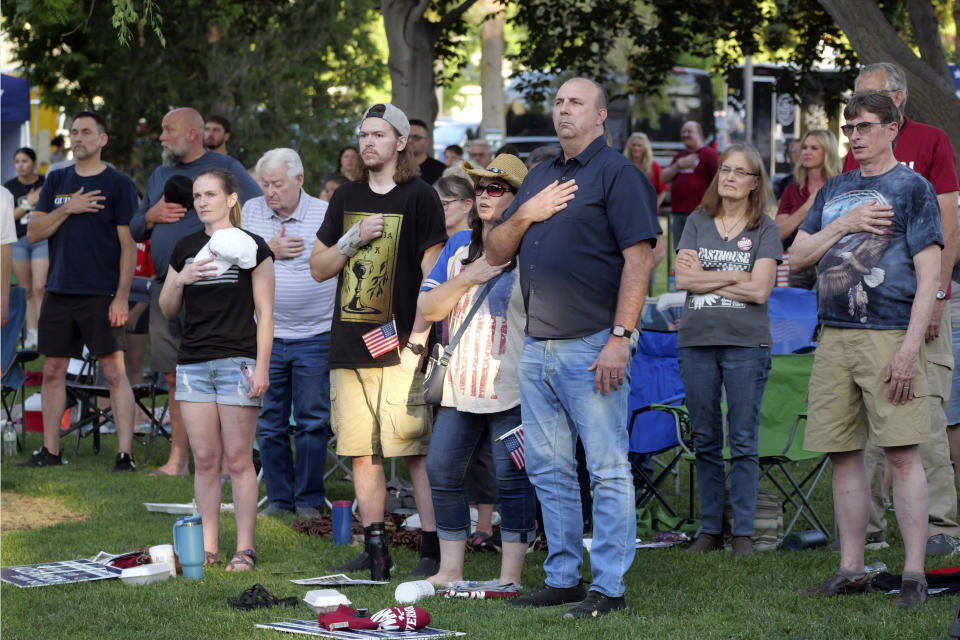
(481, 398)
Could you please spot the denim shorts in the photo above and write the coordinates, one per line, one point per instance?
(224, 381)
(25, 251)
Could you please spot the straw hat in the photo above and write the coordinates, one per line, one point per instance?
(505, 166)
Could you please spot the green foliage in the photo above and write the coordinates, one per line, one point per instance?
(285, 73)
(631, 45)
(125, 15)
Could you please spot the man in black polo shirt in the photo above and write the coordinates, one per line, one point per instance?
(584, 226)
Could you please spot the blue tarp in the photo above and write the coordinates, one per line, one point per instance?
(15, 101)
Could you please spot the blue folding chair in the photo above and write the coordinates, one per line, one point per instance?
(657, 425)
(12, 360)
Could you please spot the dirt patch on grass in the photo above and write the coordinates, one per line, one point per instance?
(22, 513)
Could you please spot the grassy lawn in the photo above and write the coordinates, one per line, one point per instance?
(79, 509)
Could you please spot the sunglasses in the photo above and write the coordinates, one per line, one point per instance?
(493, 189)
(863, 128)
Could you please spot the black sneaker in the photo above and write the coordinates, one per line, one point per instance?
(425, 568)
(547, 596)
(595, 604)
(42, 458)
(359, 563)
(124, 463)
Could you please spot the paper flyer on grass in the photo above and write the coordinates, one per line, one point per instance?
(337, 579)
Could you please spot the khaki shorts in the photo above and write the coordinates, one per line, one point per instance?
(379, 411)
(847, 398)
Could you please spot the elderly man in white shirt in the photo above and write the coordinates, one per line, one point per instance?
(288, 218)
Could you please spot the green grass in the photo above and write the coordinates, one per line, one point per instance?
(671, 593)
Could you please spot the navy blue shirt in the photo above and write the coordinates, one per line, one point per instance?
(570, 264)
(164, 237)
(867, 281)
(85, 249)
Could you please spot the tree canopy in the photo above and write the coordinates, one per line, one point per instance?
(285, 73)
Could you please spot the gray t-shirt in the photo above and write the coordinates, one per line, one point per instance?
(710, 319)
(866, 280)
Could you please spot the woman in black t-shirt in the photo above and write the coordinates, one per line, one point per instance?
(224, 355)
(30, 260)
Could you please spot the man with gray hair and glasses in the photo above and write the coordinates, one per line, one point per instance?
(874, 237)
(288, 218)
(926, 150)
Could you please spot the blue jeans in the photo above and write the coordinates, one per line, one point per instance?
(560, 402)
(299, 376)
(743, 372)
(953, 405)
(456, 435)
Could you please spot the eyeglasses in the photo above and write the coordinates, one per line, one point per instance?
(493, 189)
(740, 173)
(416, 136)
(447, 203)
(863, 128)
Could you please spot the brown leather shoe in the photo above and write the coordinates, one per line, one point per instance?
(706, 542)
(838, 585)
(742, 546)
(912, 594)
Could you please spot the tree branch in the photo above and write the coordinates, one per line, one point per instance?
(455, 15)
(93, 3)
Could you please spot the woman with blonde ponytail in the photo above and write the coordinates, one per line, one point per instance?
(222, 276)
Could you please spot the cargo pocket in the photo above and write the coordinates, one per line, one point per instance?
(409, 412)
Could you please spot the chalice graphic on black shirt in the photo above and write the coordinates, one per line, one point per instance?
(361, 269)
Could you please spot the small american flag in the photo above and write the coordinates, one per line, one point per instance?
(513, 441)
(382, 339)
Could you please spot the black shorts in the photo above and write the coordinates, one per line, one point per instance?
(67, 322)
(143, 322)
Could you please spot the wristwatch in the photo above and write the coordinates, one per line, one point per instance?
(418, 349)
(941, 295)
(619, 332)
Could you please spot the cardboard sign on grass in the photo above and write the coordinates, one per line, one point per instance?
(67, 572)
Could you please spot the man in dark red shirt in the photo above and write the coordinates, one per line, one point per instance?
(689, 174)
(926, 150)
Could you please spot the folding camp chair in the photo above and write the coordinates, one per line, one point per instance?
(655, 385)
(12, 359)
(86, 388)
(780, 441)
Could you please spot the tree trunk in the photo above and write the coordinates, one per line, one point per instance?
(926, 32)
(931, 97)
(411, 39)
(491, 70)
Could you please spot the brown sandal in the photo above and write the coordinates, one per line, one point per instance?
(210, 558)
(242, 561)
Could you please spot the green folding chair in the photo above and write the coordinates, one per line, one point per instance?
(783, 421)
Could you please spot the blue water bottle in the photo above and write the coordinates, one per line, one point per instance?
(188, 545)
(342, 521)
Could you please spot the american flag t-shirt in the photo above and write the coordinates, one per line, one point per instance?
(382, 339)
(513, 441)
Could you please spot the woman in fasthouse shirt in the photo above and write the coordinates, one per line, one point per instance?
(727, 262)
(224, 357)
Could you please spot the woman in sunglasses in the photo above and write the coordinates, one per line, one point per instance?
(481, 399)
(727, 262)
(819, 161)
